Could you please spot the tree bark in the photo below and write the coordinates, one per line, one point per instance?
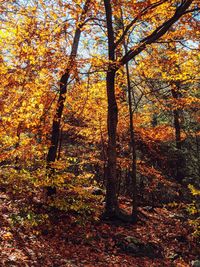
(132, 146)
(158, 32)
(52, 153)
(133, 171)
(111, 187)
(111, 207)
(180, 160)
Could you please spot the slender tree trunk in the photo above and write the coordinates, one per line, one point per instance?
(133, 171)
(52, 153)
(60, 143)
(198, 151)
(103, 153)
(132, 146)
(17, 163)
(111, 207)
(180, 161)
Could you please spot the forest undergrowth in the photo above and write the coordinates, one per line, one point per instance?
(36, 233)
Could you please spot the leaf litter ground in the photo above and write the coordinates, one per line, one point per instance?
(40, 236)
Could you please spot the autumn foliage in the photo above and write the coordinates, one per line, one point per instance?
(99, 121)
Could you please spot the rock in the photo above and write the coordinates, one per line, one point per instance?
(132, 239)
(196, 263)
(131, 244)
(132, 248)
(150, 250)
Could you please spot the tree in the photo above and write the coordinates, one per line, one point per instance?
(112, 208)
(34, 58)
(51, 156)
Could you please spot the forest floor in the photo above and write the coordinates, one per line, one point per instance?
(32, 235)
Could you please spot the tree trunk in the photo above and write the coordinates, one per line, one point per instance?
(132, 147)
(52, 153)
(111, 198)
(111, 207)
(180, 161)
(111, 186)
(198, 150)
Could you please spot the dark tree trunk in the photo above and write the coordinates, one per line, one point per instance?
(198, 150)
(17, 163)
(51, 157)
(104, 155)
(52, 153)
(132, 147)
(111, 187)
(133, 171)
(111, 207)
(180, 161)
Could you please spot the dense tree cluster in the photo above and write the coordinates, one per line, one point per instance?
(101, 93)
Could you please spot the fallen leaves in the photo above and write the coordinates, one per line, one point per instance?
(63, 241)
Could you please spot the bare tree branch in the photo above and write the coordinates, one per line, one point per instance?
(156, 34)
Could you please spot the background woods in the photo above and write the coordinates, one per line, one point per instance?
(99, 121)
